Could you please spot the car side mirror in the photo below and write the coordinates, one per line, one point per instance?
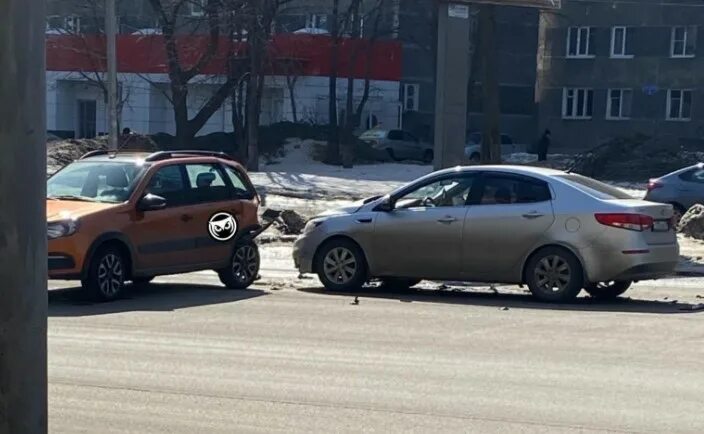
(386, 205)
(151, 202)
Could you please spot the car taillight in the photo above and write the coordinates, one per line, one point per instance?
(653, 184)
(632, 222)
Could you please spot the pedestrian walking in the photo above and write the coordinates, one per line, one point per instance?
(544, 146)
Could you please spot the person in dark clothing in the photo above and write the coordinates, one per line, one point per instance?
(543, 146)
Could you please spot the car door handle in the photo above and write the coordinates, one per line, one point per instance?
(186, 218)
(532, 215)
(447, 220)
(364, 220)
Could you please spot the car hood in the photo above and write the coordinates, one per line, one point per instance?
(70, 209)
(351, 208)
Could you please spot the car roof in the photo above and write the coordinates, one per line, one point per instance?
(160, 157)
(520, 170)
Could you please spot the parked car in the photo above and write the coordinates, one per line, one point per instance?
(555, 231)
(473, 150)
(398, 145)
(114, 218)
(682, 189)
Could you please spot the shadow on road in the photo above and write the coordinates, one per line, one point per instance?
(518, 301)
(156, 297)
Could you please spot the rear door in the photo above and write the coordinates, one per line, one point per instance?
(511, 216)
(412, 144)
(396, 144)
(690, 187)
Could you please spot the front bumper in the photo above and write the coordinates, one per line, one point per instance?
(303, 254)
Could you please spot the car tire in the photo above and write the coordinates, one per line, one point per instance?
(341, 266)
(392, 155)
(554, 274)
(244, 266)
(398, 284)
(428, 156)
(607, 290)
(105, 279)
(141, 281)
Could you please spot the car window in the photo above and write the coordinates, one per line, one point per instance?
(507, 190)
(695, 175)
(395, 135)
(443, 193)
(109, 182)
(206, 183)
(238, 183)
(506, 140)
(168, 183)
(409, 137)
(594, 188)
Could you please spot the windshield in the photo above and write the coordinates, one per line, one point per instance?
(106, 182)
(595, 188)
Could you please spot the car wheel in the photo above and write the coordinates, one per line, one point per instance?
(142, 280)
(105, 280)
(391, 153)
(475, 158)
(398, 284)
(428, 156)
(244, 266)
(341, 266)
(607, 290)
(554, 274)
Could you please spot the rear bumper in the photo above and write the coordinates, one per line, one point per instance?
(646, 263)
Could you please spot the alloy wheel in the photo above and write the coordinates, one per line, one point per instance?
(340, 265)
(552, 274)
(244, 263)
(111, 276)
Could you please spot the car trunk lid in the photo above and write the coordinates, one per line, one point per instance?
(662, 231)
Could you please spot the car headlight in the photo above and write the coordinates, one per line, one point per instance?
(63, 228)
(312, 224)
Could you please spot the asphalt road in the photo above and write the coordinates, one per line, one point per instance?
(186, 356)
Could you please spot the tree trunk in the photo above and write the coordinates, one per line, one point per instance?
(291, 84)
(333, 156)
(491, 144)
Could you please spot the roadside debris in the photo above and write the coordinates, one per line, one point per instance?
(692, 223)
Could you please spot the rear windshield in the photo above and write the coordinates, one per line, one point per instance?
(594, 188)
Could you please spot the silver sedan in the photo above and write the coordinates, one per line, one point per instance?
(557, 232)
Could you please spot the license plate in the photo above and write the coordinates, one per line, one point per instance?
(661, 225)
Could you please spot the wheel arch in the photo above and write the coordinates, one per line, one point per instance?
(562, 246)
(111, 238)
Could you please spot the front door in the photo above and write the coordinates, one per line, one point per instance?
(86, 119)
(508, 220)
(422, 236)
(165, 239)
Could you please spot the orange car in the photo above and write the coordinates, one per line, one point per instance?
(115, 218)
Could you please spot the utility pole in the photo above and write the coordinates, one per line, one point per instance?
(491, 141)
(110, 33)
(452, 70)
(23, 248)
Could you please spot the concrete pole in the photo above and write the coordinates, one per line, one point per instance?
(452, 65)
(23, 248)
(491, 141)
(110, 33)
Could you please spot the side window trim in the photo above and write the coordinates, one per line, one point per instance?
(192, 191)
(243, 179)
(184, 181)
(512, 177)
(414, 187)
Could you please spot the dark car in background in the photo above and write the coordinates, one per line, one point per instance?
(474, 147)
(681, 188)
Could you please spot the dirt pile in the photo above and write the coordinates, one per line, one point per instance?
(634, 158)
(692, 223)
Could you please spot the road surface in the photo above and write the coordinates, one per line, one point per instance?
(186, 356)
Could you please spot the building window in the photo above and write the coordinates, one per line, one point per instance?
(579, 42)
(577, 103)
(619, 37)
(679, 105)
(410, 97)
(316, 21)
(72, 24)
(683, 41)
(196, 8)
(618, 104)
